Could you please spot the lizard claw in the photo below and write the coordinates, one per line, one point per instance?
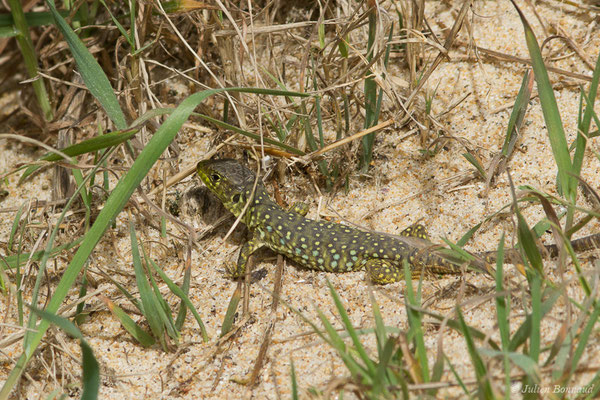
(232, 271)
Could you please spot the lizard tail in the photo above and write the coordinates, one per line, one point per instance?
(588, 243)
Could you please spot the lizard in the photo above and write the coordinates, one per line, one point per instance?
(332, 247)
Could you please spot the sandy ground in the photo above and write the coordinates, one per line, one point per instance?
(413, 188)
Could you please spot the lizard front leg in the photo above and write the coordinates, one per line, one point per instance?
(237, 270)
(383, 271)
(299, 207)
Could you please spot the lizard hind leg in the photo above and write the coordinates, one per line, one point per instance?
(416, 230)
(383, 272)
(299, 207)
(238, 270)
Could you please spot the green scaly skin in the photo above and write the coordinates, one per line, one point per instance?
(331, 247)
(317, 245)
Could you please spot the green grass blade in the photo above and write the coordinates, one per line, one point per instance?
(182, 294)
(8, 32)
(150, 306)
(91, 72)
(225, 125)
(251, 135)
(380, 330)
(90, 366)
(35, 18)
(481, 372)
(136, 302)
(294, 380)
(583, 128)
(552, 118)
(130, 325)
(28, 51)
(523, 361)
(454, 324)
(458, 378)
(15, 227)
(91, 373)
(526, 240)
(164, 310)
(517, 115)
(120, 27)
(379, 380)
(475, 162)
(521, 335)
(351, 331)
(370, 93)
(86, 198)
(584, 336)
(231, 309)
(113, 206)
(536, 318)
(61, 322)
(87, 146)
(185, 289)
(593, 387)
(467, 236)
(502, 315)
(357, 370)
(414, 321)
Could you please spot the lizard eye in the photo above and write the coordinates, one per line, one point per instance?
(236, 198)
(215, 178)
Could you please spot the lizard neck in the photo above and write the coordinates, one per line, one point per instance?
(261, 200)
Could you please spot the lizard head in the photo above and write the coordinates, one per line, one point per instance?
(229, 180)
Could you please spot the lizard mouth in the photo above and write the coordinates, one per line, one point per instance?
(202, 169)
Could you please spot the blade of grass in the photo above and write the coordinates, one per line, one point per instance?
(113, 206)
(87, 146)
(583, 127)
(351, 331)
(231, 311)
(536, 318)
(182, 294)
(380, 330)
(143, 337)
(523, 332)
(34, 18)
(533, 257)
(454, 324)
(185, 289)
(165, 111)
(91, 72)
(412, 303)
(31, 63)
(481, 372)
(294, 380)
(556, 133)
(475, 162)
(502, 315)
(150, 306)
(517, 115)
(89, 364)
(164, 310)
(458, 378)
(357, 370)
(523, 361)
(35, 293)
(15, 226)
(370, 92)
(380, 382)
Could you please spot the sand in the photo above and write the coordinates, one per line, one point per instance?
(403, 185)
